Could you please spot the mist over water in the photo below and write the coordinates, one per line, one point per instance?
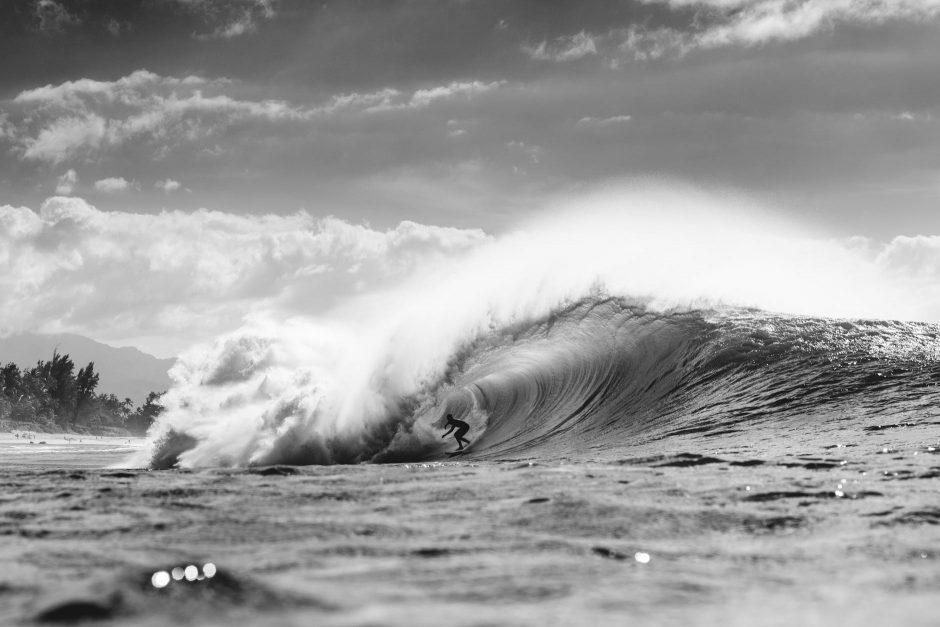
(558, 320)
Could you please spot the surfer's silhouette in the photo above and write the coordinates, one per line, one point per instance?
(461, 428)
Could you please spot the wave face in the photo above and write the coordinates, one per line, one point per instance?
(601, 377)
(633, 317)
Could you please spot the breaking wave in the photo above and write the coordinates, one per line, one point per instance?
(624, 319)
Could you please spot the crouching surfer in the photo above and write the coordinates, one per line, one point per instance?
(461, 430)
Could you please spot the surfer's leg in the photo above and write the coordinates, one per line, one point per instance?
(462, 431)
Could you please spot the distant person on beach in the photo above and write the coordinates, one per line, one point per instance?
(461, 428)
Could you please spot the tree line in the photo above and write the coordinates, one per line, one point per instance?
(51, 394)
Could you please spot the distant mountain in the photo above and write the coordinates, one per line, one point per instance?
(125, 372)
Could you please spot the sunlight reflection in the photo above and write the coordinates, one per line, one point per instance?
(190, 573)
(160, 579)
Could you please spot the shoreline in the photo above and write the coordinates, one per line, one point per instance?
(11, 426)
(29, 451)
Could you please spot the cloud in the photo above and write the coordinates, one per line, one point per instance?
(122, 276)
(914, 262)
(422, 98)
(721, 23)
(361, 101)
(531, 152)
(113, 185)
(712, 24)
(53, 17)
(389, 99)
(85, 91)
(64, 137)
(66, 183)
(602, 122)
(638, 43)
(562, 49)
(917, 255)
(117, 28)
(457, 128)
(229, 18)
(79, 118)
(616, 46)
(168, 185)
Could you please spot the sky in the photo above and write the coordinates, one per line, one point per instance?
(169, 166)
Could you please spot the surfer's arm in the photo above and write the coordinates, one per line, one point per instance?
(448, 432)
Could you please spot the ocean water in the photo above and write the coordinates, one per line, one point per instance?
(729, 467)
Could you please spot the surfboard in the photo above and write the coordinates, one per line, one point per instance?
(454, 453)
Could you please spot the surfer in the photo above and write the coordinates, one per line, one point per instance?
(461, 428)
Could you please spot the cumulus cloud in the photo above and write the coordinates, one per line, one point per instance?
(720, 23)
(167, 185)
(66, 183)
(112, 185)
(562, 49)
(125, 277)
